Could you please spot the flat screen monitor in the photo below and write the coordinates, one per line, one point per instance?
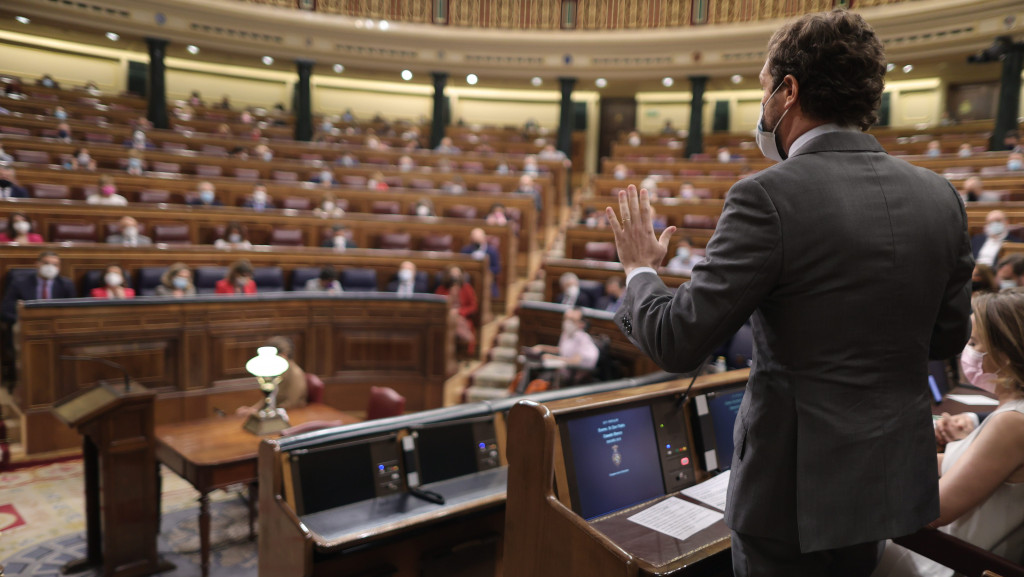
(613, 460)
(453, 449)
(340, 474)
(716, 414)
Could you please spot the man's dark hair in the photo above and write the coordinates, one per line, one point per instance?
(328, 273)
(838, 62)
(45, 254)
(1014, 260)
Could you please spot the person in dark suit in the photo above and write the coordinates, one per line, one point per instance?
(44, 285)
(855, 269)
(407, 281)
(9, 187)
(571, 294)
(259, 200)
(986, 246)
(478, 247)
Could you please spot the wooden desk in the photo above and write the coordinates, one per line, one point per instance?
(216, 453)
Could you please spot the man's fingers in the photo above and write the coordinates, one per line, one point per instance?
(645, 210)
(634, 204)
(624, 207)
(666, 236)
(612, 220)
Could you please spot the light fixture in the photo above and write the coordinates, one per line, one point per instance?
(536, 81)
(384, 25)
(268, 60)
(267, 366)
(601, 83)
(23, 19)
(359, 23)
(890, 67)
(736, 79)
(338, 68)
(406, 75)
(369, 23)
(908, 68)
(471, 79)
(192, 49)
(113, 36)
(667, 81)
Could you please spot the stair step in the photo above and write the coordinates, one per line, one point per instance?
(474, 394)
(494, 375)
(504, 354)
(510, 325)
(533, 297)
(13, 430)
(535, 286)
(510, 340)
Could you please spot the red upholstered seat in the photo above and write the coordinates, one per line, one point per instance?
(287, 237)
(385, 207)
(460, 211)
(599, 251)
(489, 187)
(296, 203)
(247, 173)
(699, 221)
(209, 170)
(353, 180)
(384, 402)
(314, 389)
(154, 196)
(171, 167)
(33, 156)
(395, 241)
(171, 233)
(285, 176)
(42, 190)
(437, 242)
(73, 232)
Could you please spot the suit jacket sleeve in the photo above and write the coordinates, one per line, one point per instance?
(953, 323)
(9, 309)
(742, 264)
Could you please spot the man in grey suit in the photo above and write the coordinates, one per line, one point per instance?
(856, 269)
(129, 234)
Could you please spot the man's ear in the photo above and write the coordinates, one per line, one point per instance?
(791, 89)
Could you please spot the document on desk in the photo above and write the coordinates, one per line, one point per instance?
(711, 492)
(973, 400)
(677, 518)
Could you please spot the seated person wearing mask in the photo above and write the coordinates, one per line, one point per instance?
(1010, 271)
(684, 260)
(478, 247)
(463, 305)
(614, 289)
(129, 234)
(113, 285)
(176, 282)
(234, 238)
(981, 478)
(46, 284)
(259, 200)
(987, 246)
(205, 196)
(292, 392)
(19, 229)
(107, 194)
(575, 347)
(326, 282)
(571, 295)
(406, 281)
(339, 239)
(238, 280)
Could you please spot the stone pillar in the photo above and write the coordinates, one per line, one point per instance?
(695, 140)
(303, 102)
(157, 89)
(438, 122)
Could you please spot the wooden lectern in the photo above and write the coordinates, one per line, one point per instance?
(122, 490)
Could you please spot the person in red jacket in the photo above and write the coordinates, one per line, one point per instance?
(19, 229)
(238, 281)
(113, 285)
(463, 305)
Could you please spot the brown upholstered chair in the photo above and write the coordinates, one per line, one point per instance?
(314, 389)
(296, 203)
(170, 167)
(73, 232)
(287, 237)
(171, 234)
(58, 191)
(437, 242)
(247, 174)
(209, 170)
(385, 207)
(154, 196)
(460, 211)
(384, 402)
(699, 221)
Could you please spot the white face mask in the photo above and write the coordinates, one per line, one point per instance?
(766, 140)
(22, 227)
(572, 291)
(339, 242)
(965, 152)
(1007, 284)
(130, 231)
(634, 141)
(328, 206)
(404, 275)
(422, 210)
(259, 196)
(49, 271)
(234, 237)
(113, 279)
(725, 156)
(683, 253)
(569, 327)
(995, 228)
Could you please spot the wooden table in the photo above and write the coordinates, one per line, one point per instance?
(216, 453)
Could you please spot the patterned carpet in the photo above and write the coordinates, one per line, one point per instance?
(42, 525)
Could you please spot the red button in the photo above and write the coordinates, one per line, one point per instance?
(684, 461)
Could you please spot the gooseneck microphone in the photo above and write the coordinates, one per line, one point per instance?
(107, 362)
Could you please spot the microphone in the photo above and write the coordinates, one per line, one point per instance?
(107, 362)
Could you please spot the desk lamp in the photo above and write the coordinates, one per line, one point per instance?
(267, 367)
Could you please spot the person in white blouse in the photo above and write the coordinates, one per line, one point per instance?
(981, 484)
(107, 194)
(986, 247)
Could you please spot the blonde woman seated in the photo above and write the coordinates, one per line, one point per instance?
(176, 282)
(981, 478)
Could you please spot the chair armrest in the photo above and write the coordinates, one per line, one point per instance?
(958, 554)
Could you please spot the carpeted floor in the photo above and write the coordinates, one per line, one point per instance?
(42, 524)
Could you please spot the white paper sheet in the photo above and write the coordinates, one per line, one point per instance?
(973, 400)
(711, 492)
(677, 518)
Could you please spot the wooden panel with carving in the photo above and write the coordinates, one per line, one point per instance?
(351, 342)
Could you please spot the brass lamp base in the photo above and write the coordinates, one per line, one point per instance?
(266, 422)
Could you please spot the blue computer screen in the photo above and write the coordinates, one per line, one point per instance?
(722, 408)
(615, 460)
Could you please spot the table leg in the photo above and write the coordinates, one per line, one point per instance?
(204, 533)
(253, 495)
